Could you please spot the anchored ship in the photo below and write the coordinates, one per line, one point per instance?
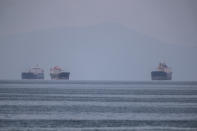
(57, 73)
(163, 72)
(33, 73)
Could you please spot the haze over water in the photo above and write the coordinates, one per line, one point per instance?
(111, 46)
(100, 39)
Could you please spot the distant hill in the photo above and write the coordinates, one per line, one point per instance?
(101, 52)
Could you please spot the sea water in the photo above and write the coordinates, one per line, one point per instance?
(41, 105)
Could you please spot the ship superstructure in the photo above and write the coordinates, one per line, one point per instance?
(33, 73)
(163, 72)
(57, 73)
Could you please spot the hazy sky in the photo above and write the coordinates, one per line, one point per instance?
(173, 23)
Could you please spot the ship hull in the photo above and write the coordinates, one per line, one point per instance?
(161, 75)
(30, 75)
(60, 76)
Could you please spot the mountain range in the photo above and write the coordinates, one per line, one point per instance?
(100, 52)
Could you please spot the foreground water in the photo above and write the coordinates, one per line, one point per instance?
(98, 106)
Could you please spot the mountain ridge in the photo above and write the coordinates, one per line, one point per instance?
(104, 51)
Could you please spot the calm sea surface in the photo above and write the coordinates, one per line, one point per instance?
(98, 106)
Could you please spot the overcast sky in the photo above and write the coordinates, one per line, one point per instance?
(170, 22)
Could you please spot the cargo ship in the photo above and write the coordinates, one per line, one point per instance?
(57, 73)
(163, 72)
(33, 73)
